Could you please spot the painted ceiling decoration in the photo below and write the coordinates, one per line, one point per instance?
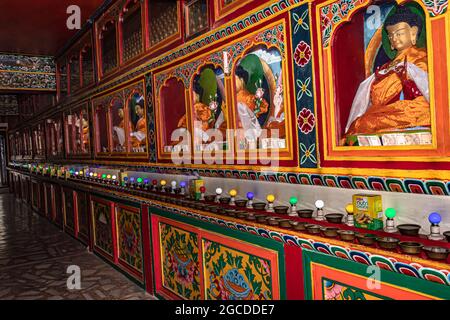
(20, 72)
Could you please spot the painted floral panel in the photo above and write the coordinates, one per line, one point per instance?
(102, 227)
(235, 275)
(129, 237)
(180, 264)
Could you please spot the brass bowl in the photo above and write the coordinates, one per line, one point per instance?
(285, 223)
(250, 217)
(436, 253)
(241, 203)
(366, 239)
(242, 214)
(225, 200)
(230, 212)
(410, 247)
(259, 205)
(409, 229)
(189, 204)
(447, 235)
(273, 221)
(388, 243)
(261, 218)
(346, 235)
(334, 217)
(330, 232)
(298, 225)
(199, 206)
(214, 209)
(305, 213)
(313, 228)
(210, 197)
(281, 209)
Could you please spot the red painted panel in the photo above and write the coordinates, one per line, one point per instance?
(172, 107)
(147, 252)
(348, 54)
(294, 273)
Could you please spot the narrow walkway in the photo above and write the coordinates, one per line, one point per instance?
(35, 255)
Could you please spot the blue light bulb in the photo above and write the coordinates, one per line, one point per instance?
(132, 179)
(434, 218)
(125, 179)
(250, 195)
(146, 181)
(183, 184)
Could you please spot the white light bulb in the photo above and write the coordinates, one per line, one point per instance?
(319, 204)
(219, 191)
(114, 177)
(174, 184)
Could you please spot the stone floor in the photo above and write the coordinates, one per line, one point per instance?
(35, 255)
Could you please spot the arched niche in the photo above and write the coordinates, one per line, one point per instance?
(108, 42)
(368, 80)
(87, 65)
(120, 126)
(137, 115)
(260, 102)
(74, 71)
(172, 111)
(209, 108)
(84, 131)
(131, 30)
(101, 128)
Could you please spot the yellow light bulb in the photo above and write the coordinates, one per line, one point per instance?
(349, 208)
(233, 192)
(163, 182)
(270, 198)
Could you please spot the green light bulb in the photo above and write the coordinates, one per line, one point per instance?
(139, 180)
(104, 176)
(293, 201)
(390, 213)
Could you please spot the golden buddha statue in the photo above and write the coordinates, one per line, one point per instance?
(396, 96)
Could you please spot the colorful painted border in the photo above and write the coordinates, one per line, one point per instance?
(22, 72)
(393, 285)
(412, 269)
(302, 54)
(432, 272)
(387, 184)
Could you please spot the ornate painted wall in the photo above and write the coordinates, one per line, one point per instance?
(19, 72)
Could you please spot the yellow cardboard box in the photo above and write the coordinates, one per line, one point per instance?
(368, 211)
